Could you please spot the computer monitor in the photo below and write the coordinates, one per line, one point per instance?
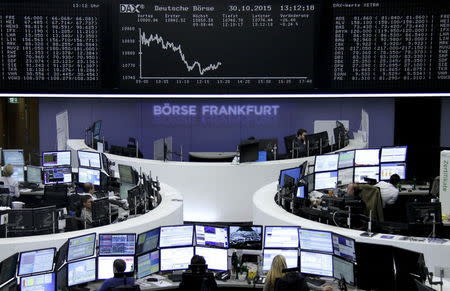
(34, 175)
(80, 272)
(366, 172)
(105, 266)
(96, 129)
(346, 159)
(81, 247)
(345, 176)
(325, 163)
(21, 219)
(8, 268)
(147, 241)
(126, 174)
(56, 158)
(124, 188)
(245, 237)
(57, 175)
(301, 192)
(37, 261)
(100, 210)
(393, 154)
(316, 264)
(343, 269)
(61, 256)
(295, 173)
(249, 152)
(176, 236)
(423, 212)
(89, 175)
(42, 282)
(89, 159)
(147, 264)
(262, 156)
(281, 237)
(291, 257)
(313, 141)
(61, 279)
(176, 258)
(18, 174)
(344, 247)
(367, 157)
(389, 169)
(44, 218)
(325, 180)
(211, 236)
(315, 240)
(117, 244)
(216, 259)
(13, 157)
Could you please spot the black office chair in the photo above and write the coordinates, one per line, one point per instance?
(5, 199)
(293, 281)
(126, 288)
(3, 190)
(288, 143)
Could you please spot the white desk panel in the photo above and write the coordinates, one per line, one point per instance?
(212, 191)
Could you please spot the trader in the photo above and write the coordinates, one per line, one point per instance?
(120, 278)
(86, 212)
(88, 189)
(9, 182)
(197, 277)
(389, 190)
(299, 143)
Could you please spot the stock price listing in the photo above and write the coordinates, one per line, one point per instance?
(214, 45)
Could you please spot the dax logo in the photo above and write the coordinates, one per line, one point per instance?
(131, 8)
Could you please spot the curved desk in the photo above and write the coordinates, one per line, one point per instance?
(169, 212)
(267, 212)
(212, 192)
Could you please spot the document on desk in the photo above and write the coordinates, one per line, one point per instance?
(163, 283)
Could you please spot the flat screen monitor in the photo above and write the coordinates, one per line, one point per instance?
(249, 152)
(281, 237)
(147, 241)
(389, 169)
(366, 172)
(124, 188)
(301, 190)
(81, 247)
(393, 154)
(37, 261)
(315, 240)
(13, 157)
(57, 175)
(325, 180)
(117, 244)
(61, 279)
(211, 236)
(346, 159)
(147, 264)
(345, 176)
(262, 156)
(96, 129)
(61, 256)
(8, 268)
(292, 172)
(316, 264)
(291, 257)
(325, 163)
(176, 236)
(176, 258)
(42, 282)
(344, 247)
(86, 175)
(343, 269)
(80, 272)
(216, 259)
(367, 157)
(56, 159)
(245, 237)
(89, 159)
(18, 173)
(105, 266)
(126, 174)
(34, 175)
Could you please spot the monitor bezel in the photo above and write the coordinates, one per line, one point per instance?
(329, 154)
(213, 269)
(288, 249)
(91, 169)
(136, 262)
(353, 175)
(339, 159)
(315, 182)
(40, 170)
(393, 147)
(145, 232)
(178, 225)
(91, 152)
(160, 256)
(45, 271)
(381, 164)
(229, 236)
(283, 226)
(68, 264)
(319, 253)
(366, 165)
(363, 182)
(56, 183)
(11, 150)
(346, 237)
(215, 226)
(316, 230)
(56, 166)
(72, 238)
(116, 255)
(335, 257)
(298, 167)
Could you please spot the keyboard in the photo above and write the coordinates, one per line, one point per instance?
(315, 282)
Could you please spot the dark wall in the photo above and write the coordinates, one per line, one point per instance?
(123, 118)
(445, 123)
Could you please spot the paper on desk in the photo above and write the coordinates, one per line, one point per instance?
(163, 283)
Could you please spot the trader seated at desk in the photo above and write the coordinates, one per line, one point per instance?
(197, 277)
(120, 278)
(9, 182)
(86, 212)
(389, 190)
(88, 189)
(299, 143)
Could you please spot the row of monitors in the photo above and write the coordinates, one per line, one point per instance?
(55, 175)
(86, 159)
(361, 157)
(382, 172)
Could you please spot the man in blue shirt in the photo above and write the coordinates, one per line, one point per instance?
(119, 267)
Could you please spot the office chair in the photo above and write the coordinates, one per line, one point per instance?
(371, 196)
(288, 142)
(3, 190)
(198, 282)
(126, 288)
(293, 281)
(131, 142)
(5, 198)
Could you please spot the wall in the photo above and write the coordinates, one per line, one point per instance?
(445, 122)
(123, 118)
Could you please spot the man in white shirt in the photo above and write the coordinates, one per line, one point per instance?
(389, 190)
(9, 182)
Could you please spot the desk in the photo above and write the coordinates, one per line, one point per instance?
(211, 156)
(212, 191)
